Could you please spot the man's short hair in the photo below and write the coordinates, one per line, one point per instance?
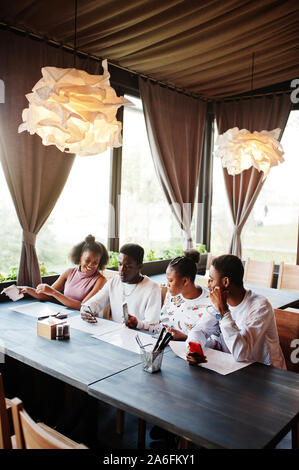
(230, 266)
(135, 251)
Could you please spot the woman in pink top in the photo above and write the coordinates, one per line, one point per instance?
(76, 285)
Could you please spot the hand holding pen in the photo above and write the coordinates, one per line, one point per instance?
(87, 314)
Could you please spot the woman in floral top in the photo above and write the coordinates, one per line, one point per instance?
(185, 302)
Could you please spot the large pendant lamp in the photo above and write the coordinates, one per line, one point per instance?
(74, 110)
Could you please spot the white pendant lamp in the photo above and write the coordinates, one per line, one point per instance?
(75, 111)
(240, 149)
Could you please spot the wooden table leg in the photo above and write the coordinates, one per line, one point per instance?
(295, 436)
(120, 417)
(141, 433)
(184, 443)
(68, 398)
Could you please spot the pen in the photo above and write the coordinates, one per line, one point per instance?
(159, 338)
(165, 341)
(140, 343)
(61, 315)
(89, 311)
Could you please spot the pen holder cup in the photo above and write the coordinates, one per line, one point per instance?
(151, 360)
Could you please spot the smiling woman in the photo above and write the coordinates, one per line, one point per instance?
(77, 284)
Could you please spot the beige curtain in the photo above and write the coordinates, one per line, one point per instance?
(175, 126)
(35, 174)
(257, 114)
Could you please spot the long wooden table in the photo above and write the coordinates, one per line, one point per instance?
(252, 408)
(79, 361)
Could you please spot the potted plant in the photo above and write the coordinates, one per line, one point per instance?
(203, 258)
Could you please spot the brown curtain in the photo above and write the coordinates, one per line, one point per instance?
(256, 114)
(175, 127)
(35, 174)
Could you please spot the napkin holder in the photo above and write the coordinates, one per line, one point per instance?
(47, 328)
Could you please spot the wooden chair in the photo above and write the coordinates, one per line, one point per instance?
(109, 273)
(288, 330)
(210, 258)
(288, 278)
(203, 281)
(258, 273)
(163, 293)
(7, 440)
(32, 435)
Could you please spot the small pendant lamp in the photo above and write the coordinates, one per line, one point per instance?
(240, 149)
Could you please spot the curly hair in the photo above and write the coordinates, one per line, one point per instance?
(184, 266)
(90, 244)
(193, 254)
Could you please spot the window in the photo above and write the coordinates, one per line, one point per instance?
(271, 230)
(221, 223)
(11, 232)
(145, 216)
(82, 209)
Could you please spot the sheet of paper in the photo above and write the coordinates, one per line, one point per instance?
(101, 327)
(218, 361)
(38, 309)
(126, 339)
(291, 309)
(13, 293)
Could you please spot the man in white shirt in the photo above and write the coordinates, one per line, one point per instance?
(140, 294)
(246, 323)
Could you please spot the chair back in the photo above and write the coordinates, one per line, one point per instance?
(163, 293)
(259, 273)
(288, 331)
(288, 277)
(109, 273)
(210, 258)
(5, 433)
(31, 435)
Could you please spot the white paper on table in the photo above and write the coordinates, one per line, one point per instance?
(38, 309)
(218, 361)
(101, 327)
(13, 293)
(126, 338)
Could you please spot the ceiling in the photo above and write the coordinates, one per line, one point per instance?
(202, 46)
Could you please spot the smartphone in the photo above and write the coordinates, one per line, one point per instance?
(125, 314)
(195, 348)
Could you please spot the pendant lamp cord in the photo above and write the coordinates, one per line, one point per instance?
(252, 69)
(75, 36)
